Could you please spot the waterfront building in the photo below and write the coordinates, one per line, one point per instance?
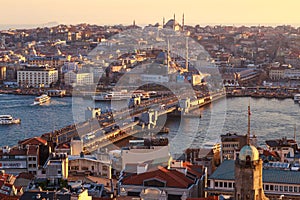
(277, 72)
(292, 73)
(33, 76)
(78, 79)
(247, 76)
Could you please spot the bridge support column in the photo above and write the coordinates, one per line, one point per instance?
(185, 104)
(149, 118)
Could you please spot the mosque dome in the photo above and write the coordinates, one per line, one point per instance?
(249, 151)
(172, 23)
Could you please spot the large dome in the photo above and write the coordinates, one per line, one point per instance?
(249, 151)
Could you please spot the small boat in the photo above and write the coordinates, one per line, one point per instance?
(41, 99)
(8, 119)
(297, 98)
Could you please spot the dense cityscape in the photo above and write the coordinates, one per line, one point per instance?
(137, 78)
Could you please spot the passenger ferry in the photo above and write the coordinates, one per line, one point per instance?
(297, 98)
(41, 99)
(8, 119)
(115, 95)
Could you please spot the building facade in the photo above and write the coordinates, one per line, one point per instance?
(37, 76)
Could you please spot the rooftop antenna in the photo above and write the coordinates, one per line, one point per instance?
(187, 54)
(248, 132)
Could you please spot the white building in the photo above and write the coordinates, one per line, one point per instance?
(141, 151)
(76, 79)
(87, 164)
(154, 78)
(34, 76)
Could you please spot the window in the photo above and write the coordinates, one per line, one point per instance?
(285, 188)
(230, 185)
(281, 188)
(295, 189)
(58, 171)
(225, 184)
(271, 187)
(290, 188)
(216, 184)
(267, 187)
(221, 184)
(276, 187)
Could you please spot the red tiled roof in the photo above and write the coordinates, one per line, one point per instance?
(25, 175)
(173, 178)
(6, 197)
(63, 146)
(33, 141)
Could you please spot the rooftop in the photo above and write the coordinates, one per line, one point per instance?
(226, 172)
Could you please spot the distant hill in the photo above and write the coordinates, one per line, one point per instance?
(26, 26)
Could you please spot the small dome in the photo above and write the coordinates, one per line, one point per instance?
(250, 151)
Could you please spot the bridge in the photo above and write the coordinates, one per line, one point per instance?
(103, 129)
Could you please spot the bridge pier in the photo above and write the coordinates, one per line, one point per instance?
(185, 105)
(91, 113)
(149, 118)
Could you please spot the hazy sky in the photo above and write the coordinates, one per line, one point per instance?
(150, 11)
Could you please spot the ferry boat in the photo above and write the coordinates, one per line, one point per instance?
(114, 95)
(297, 98)
(41, 99)
(8, 119)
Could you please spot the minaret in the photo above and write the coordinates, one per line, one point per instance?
(134, 23)
(168, 57)
(183, 22)
(163, 24)
(174, 22)
(187, 54)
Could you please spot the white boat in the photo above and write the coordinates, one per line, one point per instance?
(108, 96)
(8, 119)
(297, 98)
(41, 99)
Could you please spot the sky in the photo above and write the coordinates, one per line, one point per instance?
(223, 12)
